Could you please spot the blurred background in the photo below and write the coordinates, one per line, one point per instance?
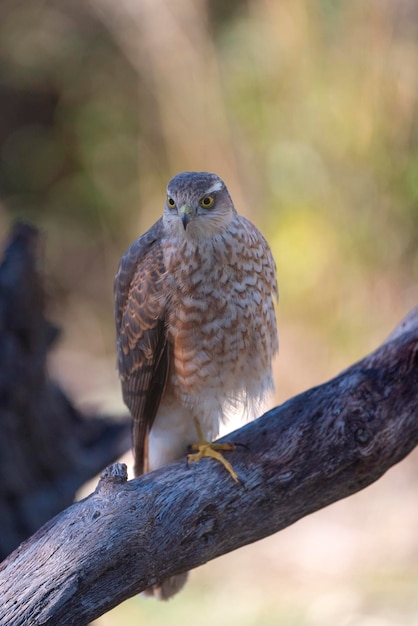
(308, 110)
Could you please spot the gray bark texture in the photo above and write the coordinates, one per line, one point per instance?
(320, 446)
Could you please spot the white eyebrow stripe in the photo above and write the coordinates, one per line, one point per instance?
(216, 187)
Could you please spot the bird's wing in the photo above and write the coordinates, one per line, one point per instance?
(142, 346)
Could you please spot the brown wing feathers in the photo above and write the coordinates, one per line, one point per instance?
(141, 336)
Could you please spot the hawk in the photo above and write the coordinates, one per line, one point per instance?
(196, 325)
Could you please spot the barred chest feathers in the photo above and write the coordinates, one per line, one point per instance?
(221, 316)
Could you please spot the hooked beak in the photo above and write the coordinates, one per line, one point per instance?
(185, 214)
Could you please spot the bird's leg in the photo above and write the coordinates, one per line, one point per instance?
(213, 450)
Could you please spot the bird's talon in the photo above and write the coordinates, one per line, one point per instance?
(212, 450)
(207, 450)
(225, 447)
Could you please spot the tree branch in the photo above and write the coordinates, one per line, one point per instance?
(318, 447)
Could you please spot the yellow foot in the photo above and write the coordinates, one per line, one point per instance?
(207, 449)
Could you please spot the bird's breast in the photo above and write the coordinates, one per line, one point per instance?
(221, 321)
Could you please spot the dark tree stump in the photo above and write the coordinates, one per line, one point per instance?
(48, 449)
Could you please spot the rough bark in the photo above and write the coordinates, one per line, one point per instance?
(48, 449)
(318, 447)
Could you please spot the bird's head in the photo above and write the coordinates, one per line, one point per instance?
(198, 205)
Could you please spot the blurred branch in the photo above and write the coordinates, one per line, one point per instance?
(147, 33)
(48, 449)
(319, 447)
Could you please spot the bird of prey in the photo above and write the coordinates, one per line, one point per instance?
(196, 326)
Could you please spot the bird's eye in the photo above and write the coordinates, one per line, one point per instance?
(171, 202)
(207, 201)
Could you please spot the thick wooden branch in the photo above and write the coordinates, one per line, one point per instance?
(318, 447)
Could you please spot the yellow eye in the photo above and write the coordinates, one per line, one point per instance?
(171, 202)
(207, 201)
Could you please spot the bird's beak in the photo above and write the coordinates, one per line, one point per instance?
(185, 214)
